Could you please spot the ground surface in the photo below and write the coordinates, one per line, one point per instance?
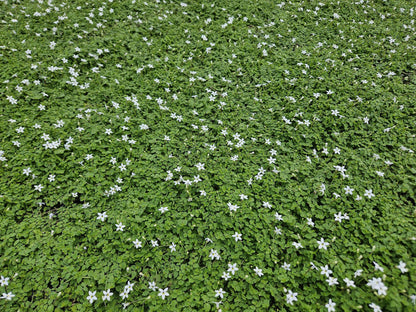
(207, 155)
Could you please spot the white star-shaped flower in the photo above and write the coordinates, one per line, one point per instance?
(200, 166)
(163, 209)
(91, 296)
(286, 266)
(214, 254)
(232, 268)
(7, 296)
(297, 245)
(377, 267)
(322, 244)
(129, 287)
(226, 275)
(258, 271)
(152, 286)
(332, 281)
(278, 216)
(137, 243)
(349, 282)
(163, 293)
(4, 281)
(402, 267)
(102, 216)
(237, 236)
(291, 296)
(330, 306)
(326, 271)
(107, 294)
(220, 293)
(375, 307)
(120, 227)
(369, 193)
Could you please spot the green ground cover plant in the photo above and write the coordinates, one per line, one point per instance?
(207, 155)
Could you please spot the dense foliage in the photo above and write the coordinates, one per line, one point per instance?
(208, 155)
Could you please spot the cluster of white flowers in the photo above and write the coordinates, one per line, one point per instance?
(377, 284)
(4, 281)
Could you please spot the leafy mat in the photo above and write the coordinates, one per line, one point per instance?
(207, 156)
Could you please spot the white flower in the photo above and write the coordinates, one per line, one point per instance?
(120, 226)
(214, 254)
(375, 307)
(144, 127)
(242, 196)
(137, 243)
(226, 275)
(4, 281)
(377, 267)
(348, 190)
(330, 306)
(258, 271)
(349, 282)
(322, 244)
(107, 294)
(358, 273)
(297, 245)
(291, 296)
(278, 216)
(91, 296)
(232, 207)
(237, 236)
(369, 193)
(163, 209)
(220, 293)
(7, 296)
(152, 286)
(402, 267)
(102, 216)
(200, 166)
(286, 266)
(27, 171)
(332, 281)
(129, 287)
(163, 293)
(122, 167)
(326, 271)
(232, 268)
